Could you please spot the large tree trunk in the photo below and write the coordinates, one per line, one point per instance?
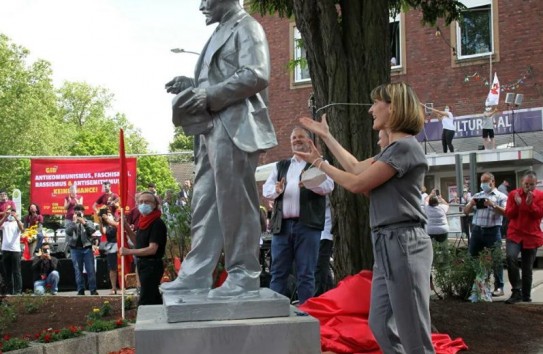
(347, 53)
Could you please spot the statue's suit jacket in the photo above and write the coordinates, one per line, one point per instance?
(238, 78)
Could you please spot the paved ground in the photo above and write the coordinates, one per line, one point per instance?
(537, 287)
(101, 292)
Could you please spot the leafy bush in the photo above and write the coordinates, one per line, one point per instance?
(7, 316)
(31, 303)
(105, 325)
(8, 344)
(455, 270)
(53, 335)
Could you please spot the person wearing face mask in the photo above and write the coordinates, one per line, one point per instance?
(524, 236)
(488, 207)
(150, 245)
(108, 227)
(11, 251)
(449, 129)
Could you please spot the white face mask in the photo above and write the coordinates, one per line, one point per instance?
(11, 218)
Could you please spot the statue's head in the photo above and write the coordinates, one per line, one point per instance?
(214, 10)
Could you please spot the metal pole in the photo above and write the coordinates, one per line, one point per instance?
(459, 175)
(473, 172)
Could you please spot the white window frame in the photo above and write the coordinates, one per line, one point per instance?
(301, 75)
(473, 4)
(399, 41)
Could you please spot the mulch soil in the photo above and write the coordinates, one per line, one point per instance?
(57, 312)
(493, 328)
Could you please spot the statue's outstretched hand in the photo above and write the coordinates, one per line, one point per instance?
(178, 84)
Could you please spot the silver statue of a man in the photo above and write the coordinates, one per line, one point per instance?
(230, 83)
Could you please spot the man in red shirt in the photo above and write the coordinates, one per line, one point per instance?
(524, 210)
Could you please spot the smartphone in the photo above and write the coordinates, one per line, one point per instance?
(437, 192)
(480, 203)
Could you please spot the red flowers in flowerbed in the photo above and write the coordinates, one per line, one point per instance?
(53, 335)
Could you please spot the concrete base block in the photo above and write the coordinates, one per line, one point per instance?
(296, 334)
(188, 307)
(112, 341)
(86, 344)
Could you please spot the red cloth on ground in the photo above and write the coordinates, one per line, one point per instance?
(343, 316)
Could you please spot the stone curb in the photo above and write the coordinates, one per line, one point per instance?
(88, 343)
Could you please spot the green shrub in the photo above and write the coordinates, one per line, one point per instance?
(8, 344)
(7, 316)
(53, 335)
(455, 270)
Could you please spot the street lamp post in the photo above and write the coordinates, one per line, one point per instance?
(181, 50)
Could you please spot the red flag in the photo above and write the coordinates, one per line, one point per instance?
(123, 195)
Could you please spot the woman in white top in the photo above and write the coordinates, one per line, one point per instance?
(436, 212)
(447, 121)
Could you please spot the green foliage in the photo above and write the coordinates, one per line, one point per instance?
(52, 335)
(30, 303)
(75, 120)
(455, 270)
(129, 302)
(8, 344)
(7, 316)
(177, 219)
(449, 10)
(155, 169)
(99, 313)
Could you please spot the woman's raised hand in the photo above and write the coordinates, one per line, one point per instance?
(319, 128)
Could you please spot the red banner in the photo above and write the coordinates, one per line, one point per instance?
(50, 181)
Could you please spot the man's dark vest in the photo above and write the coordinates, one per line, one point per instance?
(312, 205)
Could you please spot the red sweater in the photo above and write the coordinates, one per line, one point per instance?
(525, 220)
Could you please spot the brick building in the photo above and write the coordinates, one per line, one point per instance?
(443, 71)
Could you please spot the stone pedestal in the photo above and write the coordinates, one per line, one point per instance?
(196, 307)
(297, 333)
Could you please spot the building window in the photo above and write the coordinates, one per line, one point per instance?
(301, 71)
(474, 33)
(395, 42)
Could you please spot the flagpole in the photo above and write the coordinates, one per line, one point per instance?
(122, 264)
(490, 77)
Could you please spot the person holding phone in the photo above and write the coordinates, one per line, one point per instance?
(489, 208)
(44, 267)
(12, 228)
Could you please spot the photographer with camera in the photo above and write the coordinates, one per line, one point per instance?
(12, 227)
(79, 234)
(489, 208)
(44, 268)
(108, 227)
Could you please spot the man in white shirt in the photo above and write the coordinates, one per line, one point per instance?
(12, 227)
(297, 220)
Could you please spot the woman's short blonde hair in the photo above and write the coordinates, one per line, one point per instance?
(406, 114)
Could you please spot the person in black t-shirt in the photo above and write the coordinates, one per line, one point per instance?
(150, 241)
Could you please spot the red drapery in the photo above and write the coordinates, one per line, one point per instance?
(343, 316)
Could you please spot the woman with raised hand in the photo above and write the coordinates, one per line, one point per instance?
(399, 314)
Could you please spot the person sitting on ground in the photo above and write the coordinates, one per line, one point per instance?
(108, 227)
(436, 212)
(44, 268)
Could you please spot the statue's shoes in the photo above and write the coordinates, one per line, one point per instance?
(185, 285)
(228, 291)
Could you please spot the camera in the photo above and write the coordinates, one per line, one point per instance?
(437, 192)
(79, 214)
